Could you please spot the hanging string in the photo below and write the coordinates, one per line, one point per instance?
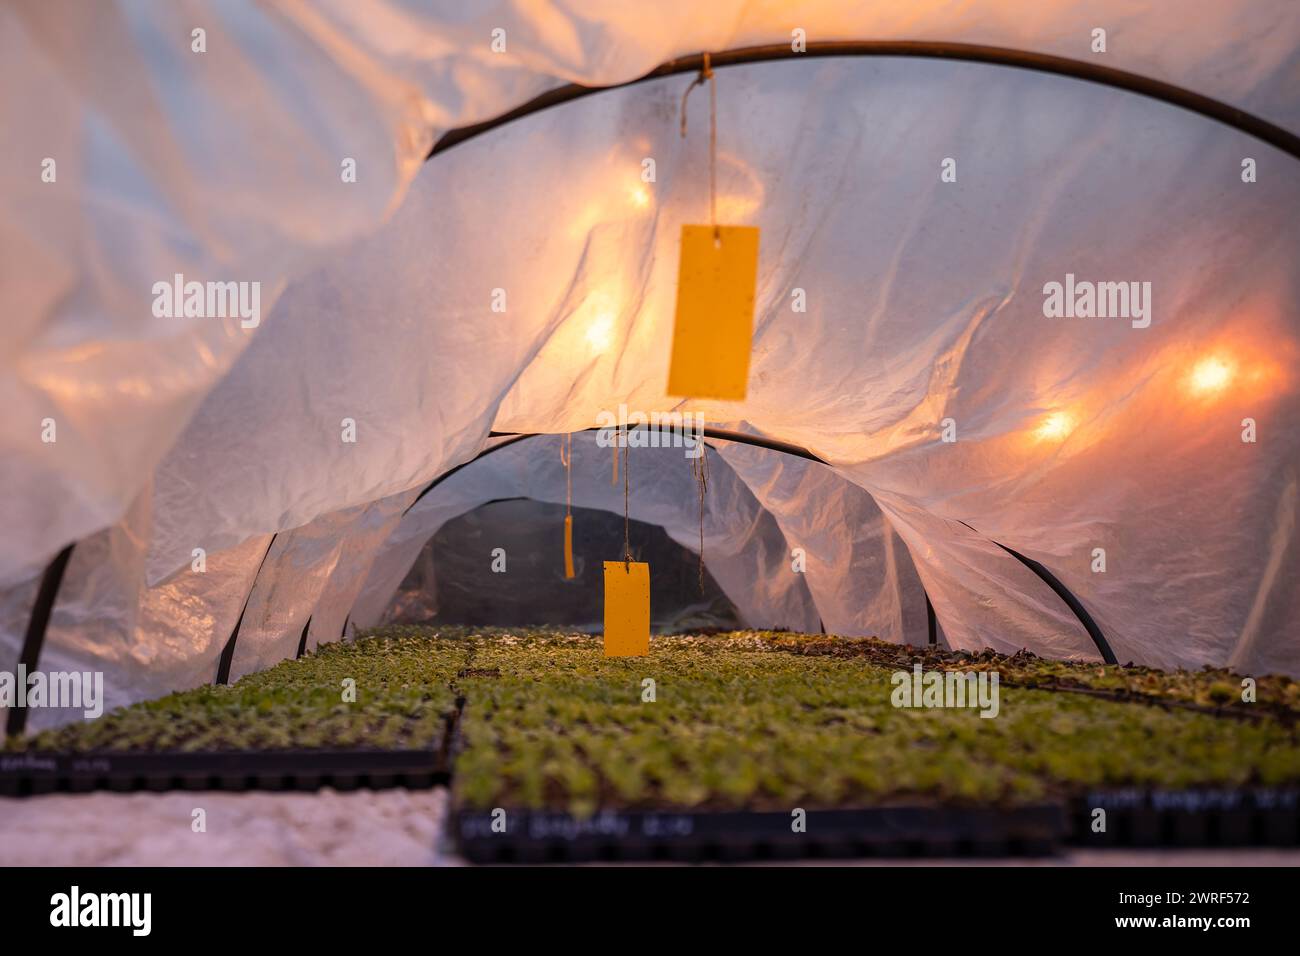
(566, 459)
(700, 466)
(706, 73)
(627, 547)
(613, 478)
(700, 469)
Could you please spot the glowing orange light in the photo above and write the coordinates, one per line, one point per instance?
(1055, 427)
(1211, 374)
(600, 334)
(639, 196)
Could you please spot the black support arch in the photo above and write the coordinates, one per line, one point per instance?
(1082, 70)
(34, 639)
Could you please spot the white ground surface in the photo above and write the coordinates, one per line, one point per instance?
(360, 828)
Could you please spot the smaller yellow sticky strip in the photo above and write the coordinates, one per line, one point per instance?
(627, 609)
(568, 547)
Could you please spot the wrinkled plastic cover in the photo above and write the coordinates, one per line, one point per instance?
(308, 581)
(145, 641)
(859, 571)
(1077, 441)
(226, 165)
(924, 306)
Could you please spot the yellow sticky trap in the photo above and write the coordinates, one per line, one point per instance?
(714, 327)
(627, 609)
(568, 547)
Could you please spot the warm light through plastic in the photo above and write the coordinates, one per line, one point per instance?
(1211, 374)
(1055, 427)
(600, 334)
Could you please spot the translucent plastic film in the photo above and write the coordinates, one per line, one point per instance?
(239, 142)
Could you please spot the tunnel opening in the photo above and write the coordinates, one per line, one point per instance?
(501, 564)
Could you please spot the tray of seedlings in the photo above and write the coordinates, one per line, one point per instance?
(372, 713)
(1219, 797)
(731, 746)
(756, 745)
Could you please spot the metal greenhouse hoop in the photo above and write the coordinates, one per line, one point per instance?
(1167, 93)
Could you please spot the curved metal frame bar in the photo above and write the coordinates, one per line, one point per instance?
(1072, 602)
(228, 652)
(37, 624)
(1089, 72)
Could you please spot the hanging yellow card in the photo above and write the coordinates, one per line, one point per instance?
(627, 609)
(714, 326)
(568, 547)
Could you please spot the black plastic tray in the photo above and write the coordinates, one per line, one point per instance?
(1175, 819)
(27, 773)
(1194, 817)
(555, 837)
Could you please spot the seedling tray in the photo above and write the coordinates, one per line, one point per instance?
(1168, 819)
(551, 724)
(1194, 817)
(741, 836)
(37, 772)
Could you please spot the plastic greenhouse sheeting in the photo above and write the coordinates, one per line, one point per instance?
(227, 163)
(308, 574)
(858, 570)
(925, 308)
